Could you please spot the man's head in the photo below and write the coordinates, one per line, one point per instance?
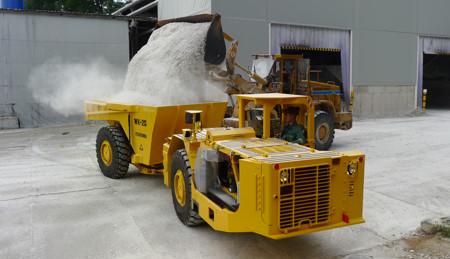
(290, 114)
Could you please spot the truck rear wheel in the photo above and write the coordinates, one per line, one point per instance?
(181, 174)
(323, 130)
(113, 152)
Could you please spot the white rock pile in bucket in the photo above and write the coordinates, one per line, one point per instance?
(170, 70)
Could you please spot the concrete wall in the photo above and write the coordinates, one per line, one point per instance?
(28, 40)
(383, 100)
(384, 40)
(9, 122)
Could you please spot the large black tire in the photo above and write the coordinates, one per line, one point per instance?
(323, 130)
(181, 174)
(113, 152)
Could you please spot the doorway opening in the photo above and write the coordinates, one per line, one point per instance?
(436, 79)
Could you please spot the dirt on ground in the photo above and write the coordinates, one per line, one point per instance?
(427, 246)
(416, 245)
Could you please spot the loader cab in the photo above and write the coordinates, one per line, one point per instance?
(270, 102)
(287, 74)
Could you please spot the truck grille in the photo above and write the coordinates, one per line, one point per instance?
(304, 196)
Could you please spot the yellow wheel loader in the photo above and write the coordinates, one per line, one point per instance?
(291, 74)
(228, 177)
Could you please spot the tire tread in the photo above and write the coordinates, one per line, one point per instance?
(189, 217)
(120, 148)
(317, 115)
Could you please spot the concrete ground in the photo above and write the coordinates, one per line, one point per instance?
(55, 203)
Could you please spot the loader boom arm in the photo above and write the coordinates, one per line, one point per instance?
(231, 61)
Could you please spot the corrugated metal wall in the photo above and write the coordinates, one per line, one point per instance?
(28, 40)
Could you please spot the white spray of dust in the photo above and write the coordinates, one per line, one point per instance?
(170, 70)
(64, 85)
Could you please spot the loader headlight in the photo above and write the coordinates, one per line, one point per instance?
(284, 177)
(352, 168)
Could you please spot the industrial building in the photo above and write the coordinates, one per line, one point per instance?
(387, 52)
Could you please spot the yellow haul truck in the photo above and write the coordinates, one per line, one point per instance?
(228, 177)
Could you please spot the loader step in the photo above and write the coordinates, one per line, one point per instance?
(223, 199)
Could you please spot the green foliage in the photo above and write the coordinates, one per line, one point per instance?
(81, 6)
(49, 5)
(445, 231)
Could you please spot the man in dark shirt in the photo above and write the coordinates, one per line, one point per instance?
(292, 132)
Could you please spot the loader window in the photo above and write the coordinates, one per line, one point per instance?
(274, 76)
(302, 76)
(288, 75)
(276, 71)
(262, 66)
(302, 70)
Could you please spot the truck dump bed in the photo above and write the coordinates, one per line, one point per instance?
(147, 127)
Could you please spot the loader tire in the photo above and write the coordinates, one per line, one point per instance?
(113, 152)
(323, 130)
(181, 174)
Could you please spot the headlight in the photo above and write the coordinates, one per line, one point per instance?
(284, 177)
(352, 168)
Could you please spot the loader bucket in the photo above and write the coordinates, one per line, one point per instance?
(215, 49)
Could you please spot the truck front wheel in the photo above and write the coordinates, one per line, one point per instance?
(323, 130)
(113, 152)
(181, 174)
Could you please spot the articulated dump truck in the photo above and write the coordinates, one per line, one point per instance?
(227, 177)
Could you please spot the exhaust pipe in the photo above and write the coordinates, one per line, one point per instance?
(215, 49)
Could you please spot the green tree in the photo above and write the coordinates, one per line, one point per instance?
(81, 6)
(49, 5)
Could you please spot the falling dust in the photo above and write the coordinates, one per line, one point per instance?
(64, 85)
(169, 70)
